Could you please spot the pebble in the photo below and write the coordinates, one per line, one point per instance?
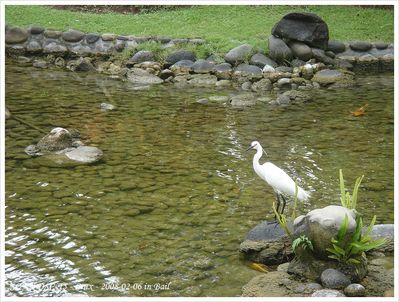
(355, 290)
(327, 293)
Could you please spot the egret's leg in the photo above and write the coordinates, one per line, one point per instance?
(284, 203)
(277, 209)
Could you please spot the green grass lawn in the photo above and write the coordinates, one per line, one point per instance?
(223, 26)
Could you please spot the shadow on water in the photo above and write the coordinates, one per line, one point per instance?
(165, 211)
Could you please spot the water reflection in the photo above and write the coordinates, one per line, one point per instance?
(176, 193)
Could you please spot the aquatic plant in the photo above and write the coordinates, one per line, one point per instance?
(304, 242)
(347, 200)
(351, 251)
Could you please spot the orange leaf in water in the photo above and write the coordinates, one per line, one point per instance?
(361, 111)
(259, 267)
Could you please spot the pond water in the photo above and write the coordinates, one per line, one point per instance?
(164, 212)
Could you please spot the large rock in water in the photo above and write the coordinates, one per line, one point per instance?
(338, 78)
(278, 50)
(304, 27)
(321, 225)
(267, 243)
(85, 154)
(57, 140)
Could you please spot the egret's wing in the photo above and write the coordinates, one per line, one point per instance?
(278, 179)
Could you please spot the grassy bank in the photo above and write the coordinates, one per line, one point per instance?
(223, 26)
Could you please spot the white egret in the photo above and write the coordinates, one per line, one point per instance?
(276, 178)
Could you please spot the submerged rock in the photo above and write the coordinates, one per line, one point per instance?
(328, 77)
(243, 100)
(142, 77)
(85, 154)
(62, 148)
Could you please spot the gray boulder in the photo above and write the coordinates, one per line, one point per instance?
(182, 67)
(261, 61)
(36, 30)
(320, 56)
(300, 50)
(72, 35)
(381, 45)
(223, 71)
(360, 46)
(320, 225)
(385, 231)
(179, 56)
(142, 56)
(203, 66)
(336, 46)
(238, 54)
(332, 278)
(327, 77)
(52, 34)
(246, 69)
(354, 290)
(278, 50)
(92, 37)
(142, 77)
(304, 27)
(85, 154)
(266, 243)
(16, 35)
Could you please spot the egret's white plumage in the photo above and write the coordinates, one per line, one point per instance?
(274, 176)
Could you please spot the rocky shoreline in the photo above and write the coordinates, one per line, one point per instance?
(290, 65)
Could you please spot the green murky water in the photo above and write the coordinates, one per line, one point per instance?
(165, 211)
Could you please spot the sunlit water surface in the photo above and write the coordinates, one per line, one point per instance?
(164, 212)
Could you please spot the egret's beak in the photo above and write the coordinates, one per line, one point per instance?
(249, 148)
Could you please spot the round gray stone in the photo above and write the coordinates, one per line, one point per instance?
(16, 35)
(301, 50)
(355, 290)
(332, 278)
(261, 60)
(278, 50)
(336, 46)
(203, 66)
(238, 54)
(72, 35)
(36, 30)
(179, 56)
(360, 46)
(52, 34)
(92, 37)
(142, 56)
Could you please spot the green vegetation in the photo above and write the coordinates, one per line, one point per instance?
(304, 242)
(224, 27)
(282, 221)
(352, 251)
(347, 200)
